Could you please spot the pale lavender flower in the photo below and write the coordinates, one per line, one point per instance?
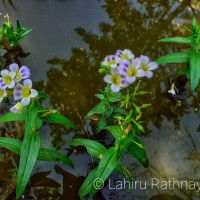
(17, 108)
(147, 66)
(22, 73)
(131, 70)
(126, 54)
(3, 94)
(7, 79)
(25, 92)
(111, 61)
(116, 80)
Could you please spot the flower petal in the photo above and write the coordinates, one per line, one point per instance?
(115, 88)
(4, 72)
(11, 85)
(25, 101)
(3, 86)
(140, 73)
(149, 74)
(34, 93)
(17, 95)
(153, 65)
(144, 59)
(25, 72)
(14, 67)
(136, 63)
(130, 80)
(12, 74)
(107, 78)
(28, 83)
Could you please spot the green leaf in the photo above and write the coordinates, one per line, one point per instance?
(59, 119)
(87, 184)
(93, 148)
(99, 109)
(102, 123)
(137, 150)
(54, 156)
(145, 105)
(124, 142)
(44, 154)
(137, 127)
(115, 130)
(126, 173)
(11, 144)
(194, 70)
(106, 166)
(100, 96)
(42, 96)
(28, 157)
(177, 39)
(9, 117)
(179, 57)
(29, 149)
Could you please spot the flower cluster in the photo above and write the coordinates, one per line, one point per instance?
(10, 81)
(124, 68)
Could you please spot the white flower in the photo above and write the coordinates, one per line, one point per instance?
(25, 92)
(7, 79)
(17, 108)
(147, 66)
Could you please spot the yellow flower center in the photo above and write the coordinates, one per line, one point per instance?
(26, 92)
(145, 67)
(132, 71)
(112, 62)
(1, 93)
(124, 57)
(18, 76)
(7, 79)
(116, 79)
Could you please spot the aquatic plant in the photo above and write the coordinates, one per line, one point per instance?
(9, 37)
(191, 57)
(118, 114)
(29, 110)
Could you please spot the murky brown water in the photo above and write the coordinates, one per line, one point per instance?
(69, 40)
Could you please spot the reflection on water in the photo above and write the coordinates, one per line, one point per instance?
(173, 143)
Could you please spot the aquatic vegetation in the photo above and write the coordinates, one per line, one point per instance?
(191, 57)
(118, 114)
(34, 115)
(9, 37)
(123, 68)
